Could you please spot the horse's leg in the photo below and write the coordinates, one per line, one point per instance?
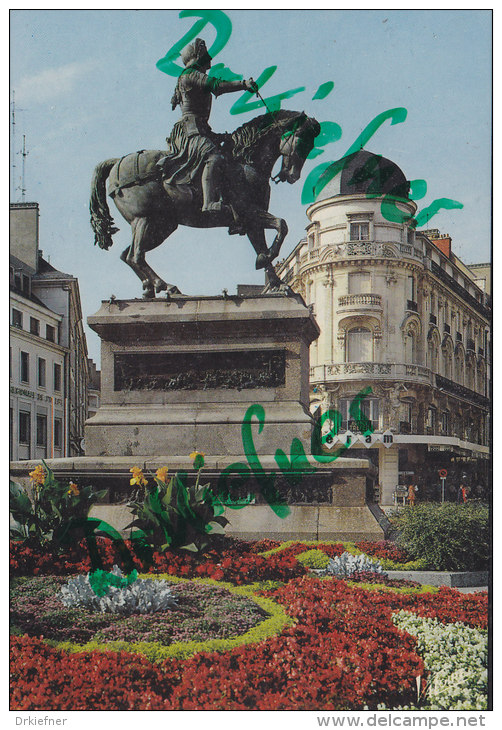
(257, 238)
(147, 235)
(158, 232)
(267, 220)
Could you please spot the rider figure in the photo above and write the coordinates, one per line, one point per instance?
(194, 146)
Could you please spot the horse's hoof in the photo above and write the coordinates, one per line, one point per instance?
(160, 286)
(262, 261)
(171, 289)
(148, 291)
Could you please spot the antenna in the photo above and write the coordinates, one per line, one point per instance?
(14, 152)
(13, 148)
(23, 182)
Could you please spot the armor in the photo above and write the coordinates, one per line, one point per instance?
(193, 144)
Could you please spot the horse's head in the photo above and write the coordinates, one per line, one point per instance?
(295, 145)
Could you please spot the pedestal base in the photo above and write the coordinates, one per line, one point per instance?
(180, 375)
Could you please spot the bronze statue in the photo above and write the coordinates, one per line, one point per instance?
(203, 180)
(193, 144)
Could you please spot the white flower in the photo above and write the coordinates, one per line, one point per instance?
(142, 596)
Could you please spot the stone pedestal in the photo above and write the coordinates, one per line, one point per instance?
(179, 375)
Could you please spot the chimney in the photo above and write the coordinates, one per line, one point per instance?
(443, 242)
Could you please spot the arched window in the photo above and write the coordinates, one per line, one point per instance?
(433, 356)
(459, 369)
(410, 348)
(359, 346)
(447, 363)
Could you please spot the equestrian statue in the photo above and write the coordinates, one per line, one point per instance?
(203, 179)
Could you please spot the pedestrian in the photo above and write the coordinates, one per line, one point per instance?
(462, 494)
(411, 494)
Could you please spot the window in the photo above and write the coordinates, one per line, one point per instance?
(431, 418)
(41, 430)
(50, 333)
(26, 285)
(24, 427)
(34, 326)
(58, 433)
(360, 231)
(445, 422)
(411, 289)
(25, 367)
(368, 407)
(359, 345)
(360, 282)
(57, 376)
(17, 318)
(41, 372)
(410, 355)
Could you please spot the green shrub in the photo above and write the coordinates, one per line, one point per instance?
(313, 559)
(52, 509)
(171, 514)
(445, 536)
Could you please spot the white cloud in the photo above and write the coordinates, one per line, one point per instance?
(51, 82)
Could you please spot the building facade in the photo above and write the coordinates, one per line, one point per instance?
(402, 321)
(49, 366)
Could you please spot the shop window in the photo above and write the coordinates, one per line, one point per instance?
(24, 427)
(41, 430)
(370, 418)
(58, 433)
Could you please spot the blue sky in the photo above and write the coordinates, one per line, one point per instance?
(87, 89)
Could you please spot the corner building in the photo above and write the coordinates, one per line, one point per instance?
(399, 313)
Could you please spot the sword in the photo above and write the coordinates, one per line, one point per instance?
(260, 97)
(273, 115)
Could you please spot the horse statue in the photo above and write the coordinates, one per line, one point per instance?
(154, 208)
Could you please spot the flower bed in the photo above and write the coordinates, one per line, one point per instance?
(230, 565)
(340, 649)
(456, 657)
(202, 612)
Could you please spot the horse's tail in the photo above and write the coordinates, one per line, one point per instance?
(101, 221)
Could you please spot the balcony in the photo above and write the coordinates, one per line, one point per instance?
(449, 386)
(359, 302)
(371, 370)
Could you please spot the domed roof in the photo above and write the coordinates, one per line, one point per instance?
(366, 173)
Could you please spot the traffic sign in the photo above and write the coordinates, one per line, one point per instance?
(443, 473)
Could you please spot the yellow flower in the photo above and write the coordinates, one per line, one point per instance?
(161, 473)
(73, 489)
(137, 477)
(38, 475)
(198, 459)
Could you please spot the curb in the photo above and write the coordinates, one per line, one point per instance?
(443, 578)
